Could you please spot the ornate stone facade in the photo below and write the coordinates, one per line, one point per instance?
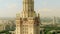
(27, 22)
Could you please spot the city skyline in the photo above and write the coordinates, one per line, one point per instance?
(9, 8)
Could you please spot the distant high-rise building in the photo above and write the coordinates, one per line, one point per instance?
(27, 22)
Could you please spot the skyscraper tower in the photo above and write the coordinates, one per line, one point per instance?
(28, 8)
(27, 22)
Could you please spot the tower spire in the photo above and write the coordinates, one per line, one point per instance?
(28, 5)
(28, 8)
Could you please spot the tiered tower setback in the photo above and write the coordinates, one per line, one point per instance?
(28, 23)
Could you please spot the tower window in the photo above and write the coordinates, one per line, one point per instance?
(25, 19)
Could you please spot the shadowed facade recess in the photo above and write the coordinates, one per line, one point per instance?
(27, 22)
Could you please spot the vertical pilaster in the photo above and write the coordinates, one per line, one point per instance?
(28, 8)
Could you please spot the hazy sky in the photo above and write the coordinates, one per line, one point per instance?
(9, 8)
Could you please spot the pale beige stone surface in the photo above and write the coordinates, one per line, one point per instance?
(27, 22)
